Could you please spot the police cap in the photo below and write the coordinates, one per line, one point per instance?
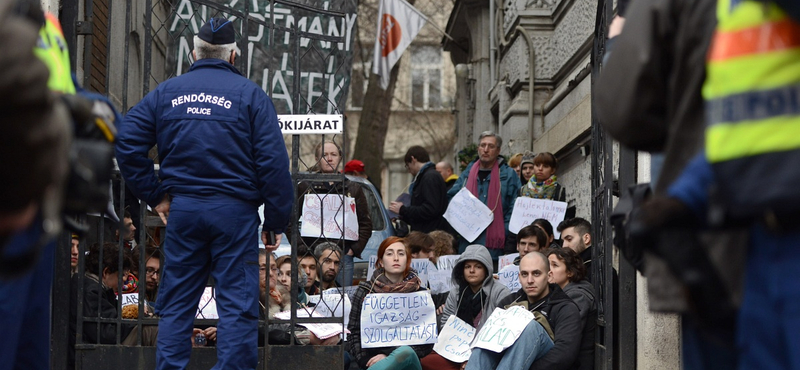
(217, 31)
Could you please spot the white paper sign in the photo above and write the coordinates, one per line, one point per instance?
(447, 262)
(526, 210)
(468, 215)
(207, 308)
(509, 276)
(506, 260)
(502, 329)
(398, 319)
(423, 267)
(322, 217)
(331, 304)
(373, 259)
(321, 330)
(440, 281)
(454, 340)
(300, 124)
(130, 299)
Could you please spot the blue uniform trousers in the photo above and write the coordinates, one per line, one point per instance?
(218, 236)
(769, 321)
(25, 308)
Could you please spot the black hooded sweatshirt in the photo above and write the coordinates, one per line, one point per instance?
(565, 320)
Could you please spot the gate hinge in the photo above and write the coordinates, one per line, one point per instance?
(83, 27)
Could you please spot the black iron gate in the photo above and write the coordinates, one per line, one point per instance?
(615, 344)
(298, 51)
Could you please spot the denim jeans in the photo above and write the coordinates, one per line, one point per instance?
(530, 346)
(345, 277)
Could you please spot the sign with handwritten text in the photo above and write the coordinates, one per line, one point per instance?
(468, 215)
(130, 299)
(526, 210)
(440, 281)
(506, 260)
(502, 329)
(373, 259)
(324, 215)
(321, 330)
(398, 319)
(423, 267)
(207, 308)
(509, 276)
(454, 340)
(447, 262)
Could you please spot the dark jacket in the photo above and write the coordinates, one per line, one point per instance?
(582, 293)
(649, 98)
(564, 318)
(353, 344)
(428, 201)
(217, 135)
(351, 189)
(98, 301)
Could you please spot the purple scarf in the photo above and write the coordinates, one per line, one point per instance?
(496, 232)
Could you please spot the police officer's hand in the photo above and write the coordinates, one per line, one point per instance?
(163, 209)
(265, 238)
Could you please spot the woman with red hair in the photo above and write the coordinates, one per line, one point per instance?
(393, 274)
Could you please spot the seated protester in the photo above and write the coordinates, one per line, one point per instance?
(329, 257)
(152, 271)
(393, 274)
(543, 184)
(567, 270)
(575, 235)
(475, 296)
(421, 245)
(537, 347)
(443, 244)
(100, 301)
(285, 278)
(278, 300)
(73, 256)
(308, 263)
(547, 227)
(530, 239)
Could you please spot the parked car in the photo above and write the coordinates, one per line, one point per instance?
(381, 229)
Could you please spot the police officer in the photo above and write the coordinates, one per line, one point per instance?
(222, 155)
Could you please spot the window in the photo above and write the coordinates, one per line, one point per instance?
(426, 77)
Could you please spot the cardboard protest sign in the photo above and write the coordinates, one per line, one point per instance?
(506, 260)
(454, 340)
(526, 210)
(440, 281)
(397, 319)
(326, 216)
(447, 262)
(509, 276)
(468, 215)
(502, 329)
(321, 330)
(207, 308)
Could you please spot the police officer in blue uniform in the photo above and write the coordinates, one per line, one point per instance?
(222, 155)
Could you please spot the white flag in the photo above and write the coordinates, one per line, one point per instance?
(398, 24)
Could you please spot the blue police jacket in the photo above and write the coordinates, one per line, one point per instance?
(218, 136)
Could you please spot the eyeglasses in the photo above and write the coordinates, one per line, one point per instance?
(151, 272)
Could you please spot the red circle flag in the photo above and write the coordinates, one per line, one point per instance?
(391, 34)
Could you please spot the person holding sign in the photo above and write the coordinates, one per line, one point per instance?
(474, 297)
(543, 184)
(328, 155)
(496, 185)
(568, 272)
(551, 341)
(393, 274)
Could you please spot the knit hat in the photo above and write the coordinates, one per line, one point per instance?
(527, 158)
(354, 166)
(217, 31)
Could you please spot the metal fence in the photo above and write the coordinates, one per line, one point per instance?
(303, 66)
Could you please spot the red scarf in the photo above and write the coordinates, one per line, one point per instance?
(496, 232)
